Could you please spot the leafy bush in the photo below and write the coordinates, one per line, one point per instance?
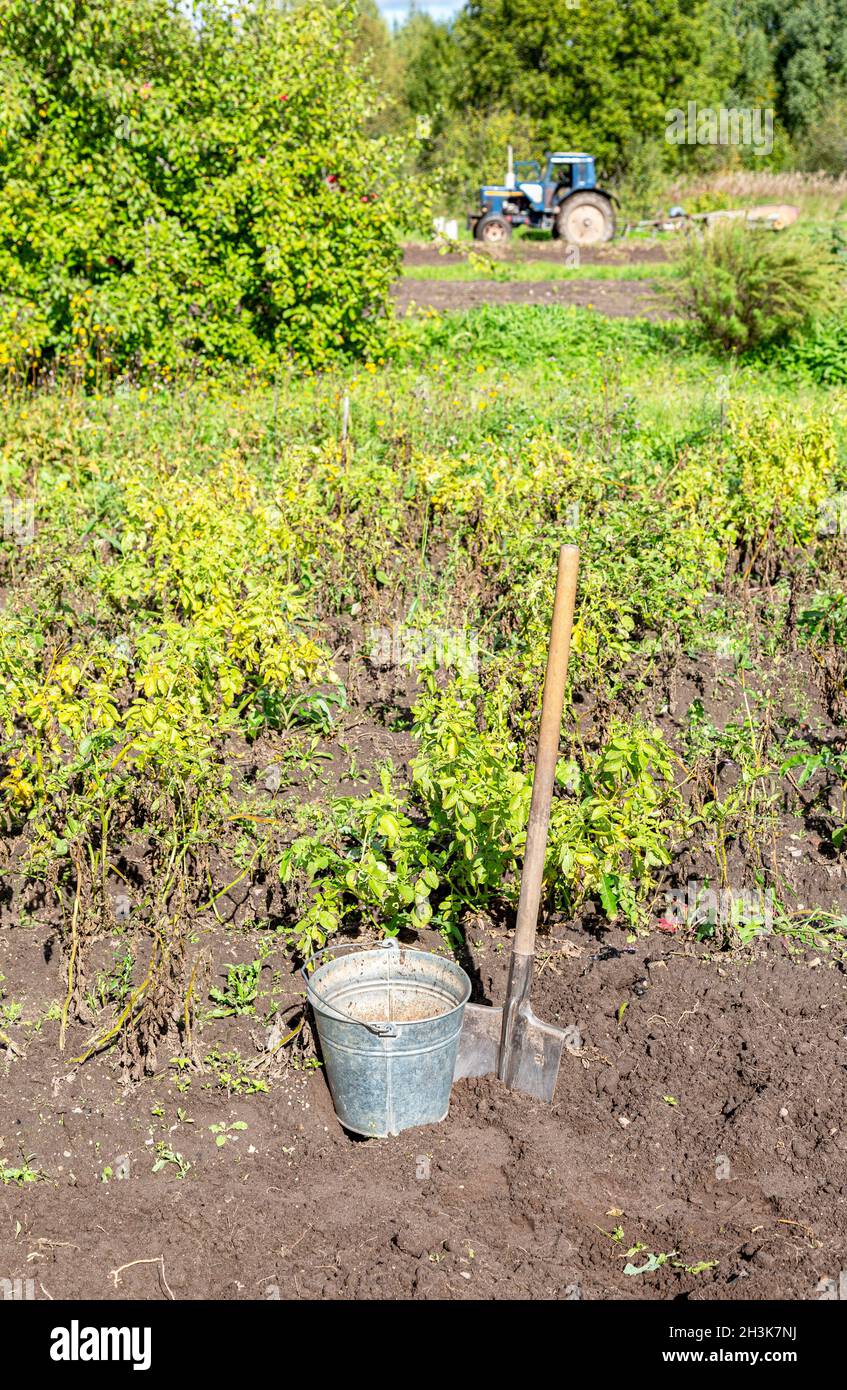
(783, 467)
(200, 629)
(174, 190)
(457, 842)
(746, 289)
(819, 354)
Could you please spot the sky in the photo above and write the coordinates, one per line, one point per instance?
(395, 11)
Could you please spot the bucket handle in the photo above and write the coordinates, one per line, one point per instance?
(382, 1030)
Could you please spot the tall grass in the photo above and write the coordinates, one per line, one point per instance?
(818, 195)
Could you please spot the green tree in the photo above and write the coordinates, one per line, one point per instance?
(792, 56)
(375, 47)
(431, 59)
(599, 75)
(824, 146)
(461, 146)
(175, 188)
(810, 57)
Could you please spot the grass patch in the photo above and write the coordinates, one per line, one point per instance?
(519, 271)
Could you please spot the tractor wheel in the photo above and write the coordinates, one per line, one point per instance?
(492, 229)
(586, 219)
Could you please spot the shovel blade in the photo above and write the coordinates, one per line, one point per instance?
(531, 1056)
(530, 1061)
(479, 1041)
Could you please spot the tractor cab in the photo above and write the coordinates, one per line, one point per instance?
(562, 174)
(561, 197)
(568, 172)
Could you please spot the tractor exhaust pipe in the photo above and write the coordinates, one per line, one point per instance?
(510, 167)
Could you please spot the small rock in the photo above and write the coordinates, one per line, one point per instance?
(272, 779)
(623, 1121)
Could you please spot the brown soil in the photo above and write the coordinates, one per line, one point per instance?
(699, 1112)
(616, 298)
(704, 1118)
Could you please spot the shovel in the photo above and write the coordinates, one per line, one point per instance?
(523, 1050)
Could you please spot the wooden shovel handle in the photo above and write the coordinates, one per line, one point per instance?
(548, 751)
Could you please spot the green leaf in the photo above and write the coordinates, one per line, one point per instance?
(650, 1266)
(608, 887)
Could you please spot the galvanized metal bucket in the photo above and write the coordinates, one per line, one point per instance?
(389, 1021)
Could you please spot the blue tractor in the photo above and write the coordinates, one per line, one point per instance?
(563, 199)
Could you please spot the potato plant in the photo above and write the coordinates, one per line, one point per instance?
(188, 652)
